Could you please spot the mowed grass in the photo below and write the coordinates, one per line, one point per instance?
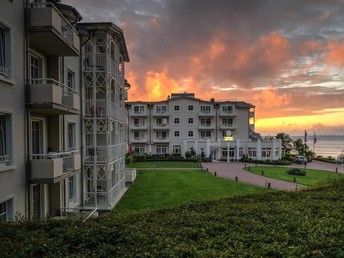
(167, 189)
(311, 178)
(163, 164)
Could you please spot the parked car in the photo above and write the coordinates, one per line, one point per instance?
(300, 160)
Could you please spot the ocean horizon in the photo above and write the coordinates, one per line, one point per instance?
(326, 145)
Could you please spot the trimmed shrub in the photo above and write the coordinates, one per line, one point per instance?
(296, 172)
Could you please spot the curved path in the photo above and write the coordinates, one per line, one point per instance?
(234, 170)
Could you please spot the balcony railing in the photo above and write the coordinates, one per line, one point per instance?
(54, 164)
(48, 25)
(50, 95)
(105, 154)
(5, 160)
(4, 71)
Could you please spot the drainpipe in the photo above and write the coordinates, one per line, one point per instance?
(27, 113)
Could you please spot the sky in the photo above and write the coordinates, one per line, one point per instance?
(284, 57)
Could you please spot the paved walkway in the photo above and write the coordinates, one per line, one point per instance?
(234, 170)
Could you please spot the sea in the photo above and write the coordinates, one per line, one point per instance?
(326, 145)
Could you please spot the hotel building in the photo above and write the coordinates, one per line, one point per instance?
(222, 130)
(62, 129)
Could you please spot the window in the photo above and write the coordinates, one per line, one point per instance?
(5, 139)
(5, 52)
(139, 122)
(161, 109)
(252, 152)
(6, 210)
(227, 122)
(161, 121)
(160, 149)
(205, 109)
(139, 109)
(161, 135)
(35, 67)
(227, 109)
(206, 122)
(176, 134)
(225, 152)
(71, 79)
(190, 120)
(138, 135)
(176, 120)
(205, 134)
(176, 149)
(176, 108)
(227, 133)
(190, 133)
(190, 107)
(72, 188)
(71, 136)
(139, 149)
(266, 152)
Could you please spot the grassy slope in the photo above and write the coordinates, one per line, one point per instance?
(312, 177)
(280, 224)
(166, 189)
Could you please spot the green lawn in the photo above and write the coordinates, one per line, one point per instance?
(166, 189)
(312, 177)
(163, 164)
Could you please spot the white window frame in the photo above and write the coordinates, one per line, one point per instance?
(160, 149)
(190, 121)
(225, 122)
(139, 109)
(206, 122)
(161, 135)
(206, 109)
(205, 134)
(266, 152)
(72, 188)
(161, 109)
(228, 109)
(190, 107)
(176, 121)
(190, 134)
(139, 149)
(176, 149)
(176, 108)
(252, 152)
(71, 136)
(6, 210)
(71, 79)
(6, 138)
(176, 134)
(6, 69)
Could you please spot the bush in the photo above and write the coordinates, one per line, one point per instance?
(296, 172)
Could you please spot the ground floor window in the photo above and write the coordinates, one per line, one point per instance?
(72, 188)
(241, 152)
(37, 201)
(161, 149)
(225, 152)
(6, 210)
(139, 149)
(176, 149)
(266, 152)
(252, 152)
(5, 139)
(276, 152)
(205, 134)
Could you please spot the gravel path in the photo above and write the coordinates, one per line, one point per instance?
(235, 171)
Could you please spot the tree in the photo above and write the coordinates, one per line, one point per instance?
(301, 147)
(287, 142)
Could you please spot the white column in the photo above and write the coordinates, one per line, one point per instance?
(237, 147)
(227, 151)
(259, 149)
(273, 149)
(279, 148)
(207, 148)
(196, 147)
(184, 147)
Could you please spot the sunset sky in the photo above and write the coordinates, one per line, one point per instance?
(285, 57)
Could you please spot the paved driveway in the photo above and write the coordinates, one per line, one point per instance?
(235, 171)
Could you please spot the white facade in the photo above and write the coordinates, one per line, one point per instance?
(45, 110)
(183, 123)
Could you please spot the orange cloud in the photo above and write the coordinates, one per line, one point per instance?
(336, 53)
(269, 98)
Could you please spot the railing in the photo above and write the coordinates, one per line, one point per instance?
(67, 30)
(78, 213)
(104, 108)
(5, 159)
(67, 158)
(105, 154)
(95, 61)
(4, 71)
(67, 96)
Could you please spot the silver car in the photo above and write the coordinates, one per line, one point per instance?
(300, 160)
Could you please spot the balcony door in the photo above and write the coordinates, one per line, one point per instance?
(37, 137)
(35, 68)
(37, 202)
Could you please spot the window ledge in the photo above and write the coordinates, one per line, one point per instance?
(8, 81)
(7, 168)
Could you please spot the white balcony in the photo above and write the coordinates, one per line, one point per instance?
(161, 140)
(49, 96)
(49, 167)
(50, 32)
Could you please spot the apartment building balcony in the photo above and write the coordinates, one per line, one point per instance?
(227, 126)
(161, 114)
(50, 32)
(227, 114)
(104, 154)
(48, 96)
(206, 114)
(138, 113)
(138, 127)
(160, 126)
(206, 126)
(161, 140)
(138, 140)
(52, 167)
